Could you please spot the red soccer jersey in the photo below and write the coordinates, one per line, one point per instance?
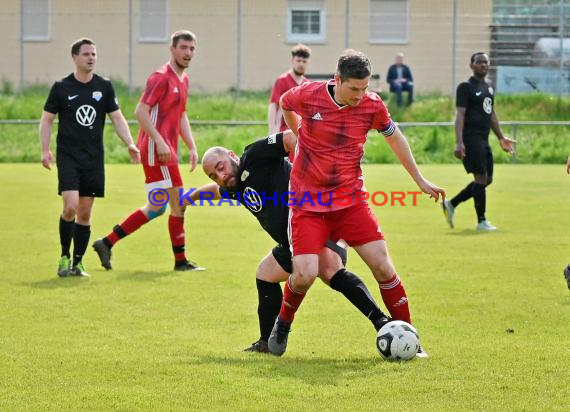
(166, 94)
(331, 144)
(282, 84)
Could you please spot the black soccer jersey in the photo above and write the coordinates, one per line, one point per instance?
(263, 183)
(478, 98)
(81, 109)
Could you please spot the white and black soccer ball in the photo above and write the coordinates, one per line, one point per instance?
(397, 340)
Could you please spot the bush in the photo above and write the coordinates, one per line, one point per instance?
(536, 144)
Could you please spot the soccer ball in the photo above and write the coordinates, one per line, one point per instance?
(397, 340)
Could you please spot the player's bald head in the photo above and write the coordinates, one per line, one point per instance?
(212, 155)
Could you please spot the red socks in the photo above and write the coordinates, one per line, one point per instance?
(395, 299)
(129, 225)
(291, 302)
(176, 230)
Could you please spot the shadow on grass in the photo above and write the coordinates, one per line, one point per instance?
(145, 276)
(311, 370)
(470, 232)
(57, 283)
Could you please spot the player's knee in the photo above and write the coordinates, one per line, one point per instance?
(303, 280)
(262, 274)
(154, 213)
(177, 210)
(83, 217)
(383, 271)
(69, 212)
(328, 267)
(327, 273)
(481, 179)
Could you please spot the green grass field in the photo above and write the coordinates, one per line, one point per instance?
(142, 337)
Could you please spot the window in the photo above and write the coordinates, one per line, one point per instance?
(306, 21)
(36, 20)
(154, 21)
(388, 21)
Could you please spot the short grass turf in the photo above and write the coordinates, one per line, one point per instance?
(492, 309)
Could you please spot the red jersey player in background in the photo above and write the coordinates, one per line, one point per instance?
(293, 77)
(161, 113)
(335, 117)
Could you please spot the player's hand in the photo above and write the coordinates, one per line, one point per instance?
(47, 159)
(432, 190)
(459, 151)
(507, 144)
(568, 165)
(193, 158)
(163, 151)
(135, 153)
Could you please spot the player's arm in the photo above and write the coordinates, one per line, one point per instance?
(291, 105)
(401, 149)
(568, 165)
(45, 137)
(186, 133)
(507, 144)
(459, 151)
(289, 141)
(206, 191)
(292, 119)
(122, 128)
(142, 113)
(272, 118)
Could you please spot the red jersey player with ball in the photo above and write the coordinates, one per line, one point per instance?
(332, 120)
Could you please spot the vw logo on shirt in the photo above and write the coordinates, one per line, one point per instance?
(252, 200)
(85, 115)
(488, 105)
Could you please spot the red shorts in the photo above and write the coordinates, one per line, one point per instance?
(309, 231)
(161, 177)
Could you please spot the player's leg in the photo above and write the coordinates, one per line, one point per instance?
(483, 177)
(155, 179)
(82, 234)
(307, 233)
(358, 226)
(375, 255)
(479, 195)
(274, 268)
(68, 188)
(332, 271)
(91, 185)
(70, 199)
(469, 163)
(305, 269)
(176, 224)
(482, 180)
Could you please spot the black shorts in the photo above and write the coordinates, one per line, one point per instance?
(478, 156)
(282, 255)
(90, 182)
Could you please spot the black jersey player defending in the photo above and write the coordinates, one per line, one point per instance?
(259, 180)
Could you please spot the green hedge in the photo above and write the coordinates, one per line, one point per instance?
(537, 144)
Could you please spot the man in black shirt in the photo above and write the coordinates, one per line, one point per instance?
(259, 180)
(80, 100)
(475, 117)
